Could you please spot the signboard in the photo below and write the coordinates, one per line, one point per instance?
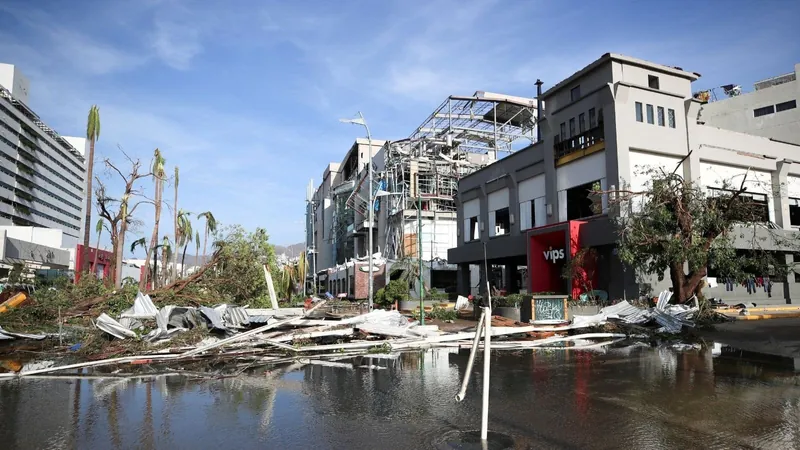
(549, 308)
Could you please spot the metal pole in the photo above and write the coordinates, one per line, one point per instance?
(471, 361)
(538, 109)
(371, 210)
(419, 255)
(487, 348)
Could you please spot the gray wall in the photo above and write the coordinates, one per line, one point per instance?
(736, 113)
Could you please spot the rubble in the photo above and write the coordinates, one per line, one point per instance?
(255, 337)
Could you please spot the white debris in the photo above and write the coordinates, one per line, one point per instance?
(143, 308)
(114, 328)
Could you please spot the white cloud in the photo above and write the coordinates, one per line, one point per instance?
(176, 44)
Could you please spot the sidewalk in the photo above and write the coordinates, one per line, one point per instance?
(778, 337)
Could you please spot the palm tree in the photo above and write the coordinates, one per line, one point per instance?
(166, 255)
(141, 242)
(175, 218)
(211, 227)
(123, 228)
(185, 228)
(158, 179)
(92, 134)
(196, 247)
(98, 229)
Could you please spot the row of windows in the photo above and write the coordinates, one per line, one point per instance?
(78, 166)
(651, 119)
(40, 214)
(71, 194)
(37, 200)
(54, 172)
(45, 153)
(595, 119)
(772, 109)
(44, 191)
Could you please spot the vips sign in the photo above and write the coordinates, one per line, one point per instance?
(553, 255)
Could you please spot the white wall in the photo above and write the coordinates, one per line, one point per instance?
(756, 181)
(532, 190)
(793, 186)
(581, 171)
(496, 200)
(641, 162)
(471, 208)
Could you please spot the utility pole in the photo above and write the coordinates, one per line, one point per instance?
(419, 250)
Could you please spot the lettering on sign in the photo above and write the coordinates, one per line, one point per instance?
(553, 255)
(549, 309)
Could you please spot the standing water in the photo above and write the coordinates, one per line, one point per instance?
(635, 397)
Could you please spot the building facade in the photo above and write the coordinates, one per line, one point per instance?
(415, 181)
(770, 110)
(604, 126)
(42, 174)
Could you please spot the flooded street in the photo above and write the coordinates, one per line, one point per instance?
(636, 397)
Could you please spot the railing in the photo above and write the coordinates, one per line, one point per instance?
(579, 142)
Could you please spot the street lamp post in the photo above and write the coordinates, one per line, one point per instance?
(360, 121)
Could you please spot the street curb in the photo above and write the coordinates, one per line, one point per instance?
(760, 309)
(765, 316)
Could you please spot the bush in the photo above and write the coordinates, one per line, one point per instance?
(509, 301)
(396, 290)
(438, 313)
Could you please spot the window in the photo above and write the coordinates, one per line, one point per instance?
(584, 201)
(471, 231)
(563, 131)
(502, 222)
(652, 81)
(581, 123)
(526, 215)
(671, 117)
(763, 111)
(660, 116)
(786, 106)
(639, 114)
(650, 118)
(592, 119)
(794, 211)
(754, 206)
(600, 117)
(575, 93)
(572, 127)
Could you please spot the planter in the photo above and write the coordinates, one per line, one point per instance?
(411, 305)
(510, 312)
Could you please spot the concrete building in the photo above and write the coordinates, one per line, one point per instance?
(414, 182)
(603, 127)
(770, 110)
(42, 174)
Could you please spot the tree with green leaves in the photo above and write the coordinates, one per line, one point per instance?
(211, 227)
(185, 236)
(674, 227)
(92, 134)
(159, 175)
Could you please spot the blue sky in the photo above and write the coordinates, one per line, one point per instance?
(244, 95)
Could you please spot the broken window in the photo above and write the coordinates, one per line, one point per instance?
(471, 231)
(752, 207)
(794, 212)
(502, 222)
(584, 201)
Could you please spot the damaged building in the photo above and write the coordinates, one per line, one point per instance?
(415, 184)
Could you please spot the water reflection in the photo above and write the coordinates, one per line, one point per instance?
(632, 397)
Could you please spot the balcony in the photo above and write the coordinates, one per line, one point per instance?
(578, 146)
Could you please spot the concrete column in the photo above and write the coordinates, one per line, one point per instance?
(513, 202)
(789, 287)
(780, 193)
(691, 166)
(482, 290)
(463, 280)
(550, 186)
(509, 278)
(483, 218)
(617, 112)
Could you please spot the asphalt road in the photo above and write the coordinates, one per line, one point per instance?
(779, 337)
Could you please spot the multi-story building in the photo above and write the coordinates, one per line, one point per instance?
(42, 175)
(414, 182)
(770, 110)
(603, 127)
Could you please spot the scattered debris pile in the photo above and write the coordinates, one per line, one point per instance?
(260, 337)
